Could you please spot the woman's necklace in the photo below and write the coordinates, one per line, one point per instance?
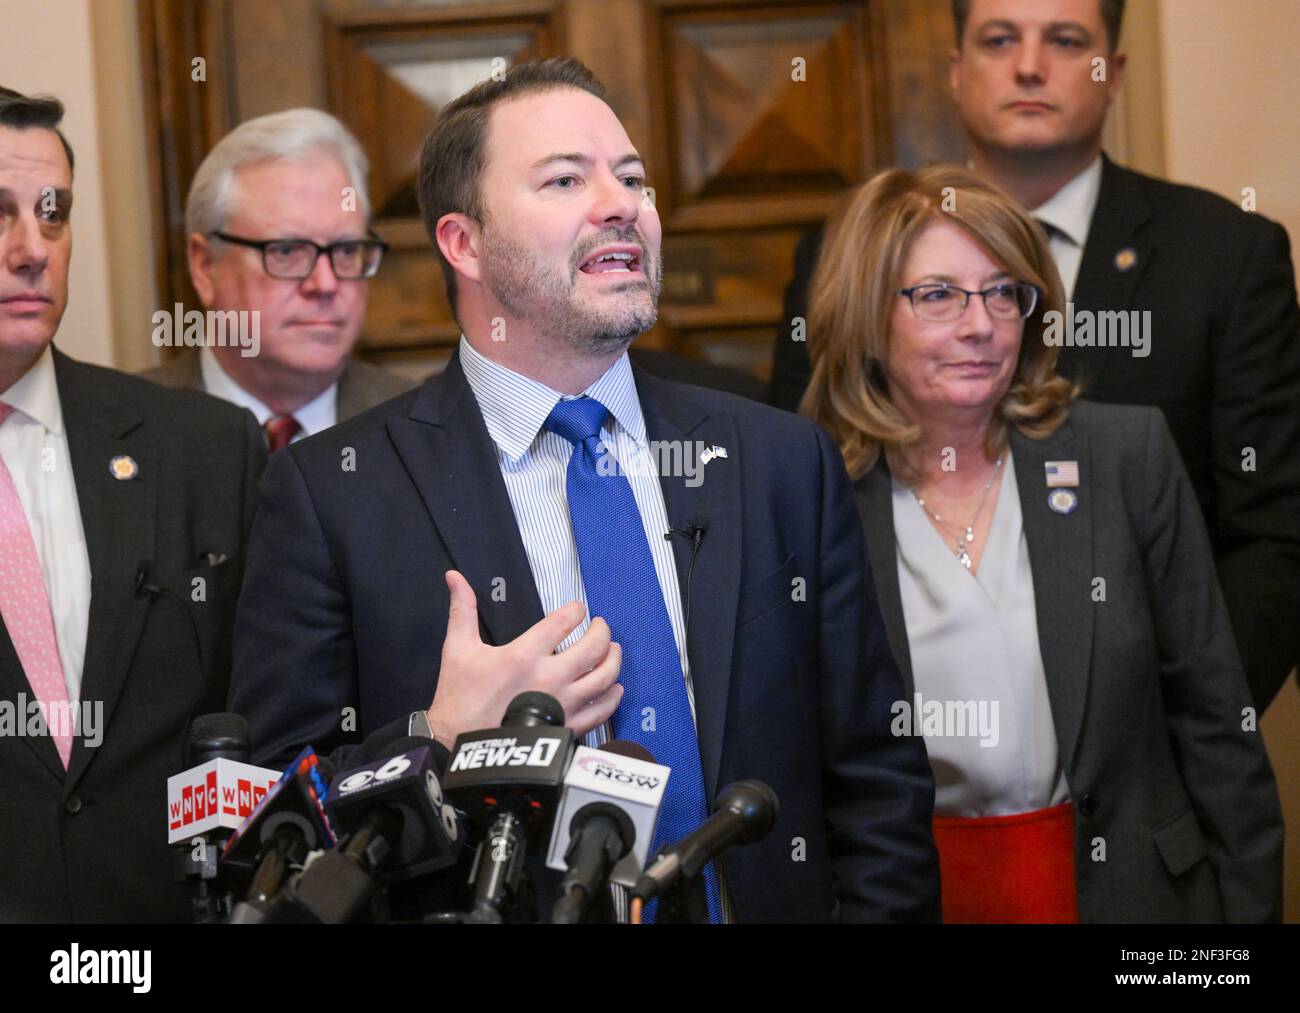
(967, 538)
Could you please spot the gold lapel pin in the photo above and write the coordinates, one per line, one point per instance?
(123, 467)
(1063, 501)
(1126, 259)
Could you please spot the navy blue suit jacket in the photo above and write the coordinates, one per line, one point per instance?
(344, 610)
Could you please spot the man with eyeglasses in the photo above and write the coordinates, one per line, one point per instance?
(278, 223)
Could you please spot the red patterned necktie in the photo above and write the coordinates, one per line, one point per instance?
(25, 607)
(280, 429)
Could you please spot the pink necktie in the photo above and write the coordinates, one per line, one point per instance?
(25, 609)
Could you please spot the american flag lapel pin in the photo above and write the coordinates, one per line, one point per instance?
(709, 453)
(1062, 474)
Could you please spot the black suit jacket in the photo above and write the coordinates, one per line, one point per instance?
(1146, 689)
(1224, 368)
(344, 611)
(89, 844)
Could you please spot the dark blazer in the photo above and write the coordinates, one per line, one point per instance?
(1146, 688)
(361, 386)
(89, 844)
(1224, 368)
(344, 607)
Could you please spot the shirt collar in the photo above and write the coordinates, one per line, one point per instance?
(1070, 209)
(515, 406)
(318, 414)
(36, 394)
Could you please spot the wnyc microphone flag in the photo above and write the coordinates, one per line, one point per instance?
(219, 793)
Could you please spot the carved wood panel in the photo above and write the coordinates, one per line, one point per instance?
(754, 117)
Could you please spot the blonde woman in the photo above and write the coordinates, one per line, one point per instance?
(1045, 578)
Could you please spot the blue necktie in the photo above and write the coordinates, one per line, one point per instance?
(622, 587)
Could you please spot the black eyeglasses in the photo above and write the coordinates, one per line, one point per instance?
(295, 259)
(940, 303)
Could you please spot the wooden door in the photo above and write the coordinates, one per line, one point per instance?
(753, 116)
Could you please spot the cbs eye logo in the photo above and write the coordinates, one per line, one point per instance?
(395, 767)
(448, 813)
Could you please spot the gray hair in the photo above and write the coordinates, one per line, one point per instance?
(294, 134)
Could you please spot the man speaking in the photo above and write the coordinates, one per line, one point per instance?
(676, 566)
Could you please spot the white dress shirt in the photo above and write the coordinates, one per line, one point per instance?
(34, 446)
(974, 637)
(319, 413)
(1069, 212)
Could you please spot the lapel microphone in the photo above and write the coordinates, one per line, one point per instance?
(693, 532)
(146, 585)
(143, 582)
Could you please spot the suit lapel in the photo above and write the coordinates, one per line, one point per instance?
(118, 518)
(713, 500)
(875, 494)
(1061, 556)
(1118, 252)
(445, 447)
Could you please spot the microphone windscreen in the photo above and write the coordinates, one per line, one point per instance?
(528, 710)
(218, 736)
(756, 803)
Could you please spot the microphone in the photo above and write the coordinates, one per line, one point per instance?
(287, 825)
(209, 800)
(693, 531)
(405, 782)
(605, 823)
(507, 780)
(744, 813)
(217, 736)
(393, 825)
(143, 583)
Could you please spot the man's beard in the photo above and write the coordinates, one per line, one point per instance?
(545, 298)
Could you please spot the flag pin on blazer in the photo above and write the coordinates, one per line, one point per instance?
(1062, 474)
(1125, 259)
(710, 453)
(123, 467)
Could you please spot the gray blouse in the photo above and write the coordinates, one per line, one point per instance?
(981, 693)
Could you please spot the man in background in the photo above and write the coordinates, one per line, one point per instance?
(1033, 80)
(278, 221)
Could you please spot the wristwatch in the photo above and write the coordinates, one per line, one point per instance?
(419, 725)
